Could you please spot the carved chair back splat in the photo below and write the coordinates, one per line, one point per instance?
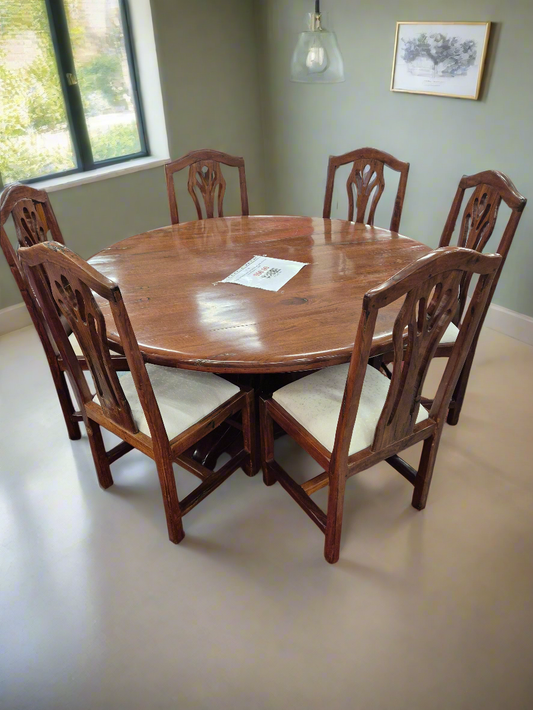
(430, 291)
(479, 218)
(366, 184)
(477, 225)
(34, 221)
(67, 285)
(205, 183)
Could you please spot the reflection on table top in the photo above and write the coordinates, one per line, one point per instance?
(183, 317)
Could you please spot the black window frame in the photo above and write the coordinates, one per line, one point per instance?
(75, 113)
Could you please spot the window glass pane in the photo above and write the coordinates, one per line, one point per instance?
(34, 135)
(104, 79)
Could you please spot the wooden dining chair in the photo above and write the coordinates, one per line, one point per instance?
(160, 411)
(35, 222)
(367, 181)
(206, 182)
(350, 417)
(477, 225)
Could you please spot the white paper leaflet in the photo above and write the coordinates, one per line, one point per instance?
(265, 272)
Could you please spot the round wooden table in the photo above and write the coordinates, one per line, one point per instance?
(183, 317)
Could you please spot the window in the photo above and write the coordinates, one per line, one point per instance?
(69, 99)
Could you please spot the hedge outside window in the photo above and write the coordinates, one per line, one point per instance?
(69, 99)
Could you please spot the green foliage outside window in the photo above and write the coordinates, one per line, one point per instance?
(34, 134)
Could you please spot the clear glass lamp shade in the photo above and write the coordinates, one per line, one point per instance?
(317, 58)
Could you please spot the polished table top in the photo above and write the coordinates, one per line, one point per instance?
(183, 317)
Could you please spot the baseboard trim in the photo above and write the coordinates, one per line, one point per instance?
(515, 325)
(14, 318)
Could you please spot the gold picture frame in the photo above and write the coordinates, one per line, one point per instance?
(440, 63)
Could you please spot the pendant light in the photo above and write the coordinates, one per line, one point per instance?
(317, 58)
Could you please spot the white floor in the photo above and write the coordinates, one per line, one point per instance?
(424, 611)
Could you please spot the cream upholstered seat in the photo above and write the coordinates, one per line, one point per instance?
(75, 345)
(315, 402)
(184, 396)
(450, 335)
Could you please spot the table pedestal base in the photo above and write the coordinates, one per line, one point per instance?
(227, 439)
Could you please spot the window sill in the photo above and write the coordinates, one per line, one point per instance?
(110, 171)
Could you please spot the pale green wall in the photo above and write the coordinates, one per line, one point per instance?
(442, 138)
(208, 64)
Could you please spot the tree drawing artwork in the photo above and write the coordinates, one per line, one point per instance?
(442, 55)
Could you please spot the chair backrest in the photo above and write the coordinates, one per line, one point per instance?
(367, 181)
(34, 221)
(479, 219)
(64, 284)
(430, 291)
(205, 182)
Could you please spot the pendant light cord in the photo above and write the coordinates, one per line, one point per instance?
(317, 7)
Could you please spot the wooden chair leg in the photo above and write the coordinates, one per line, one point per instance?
(63, 393)
(170, 499)
(460, 389)
(332, 545)
(249, 426)
(58, 376)
(65, 400)
(101, 462)
(425, 471)
(267, 443)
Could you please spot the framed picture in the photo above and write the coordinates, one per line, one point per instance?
(440, 58)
